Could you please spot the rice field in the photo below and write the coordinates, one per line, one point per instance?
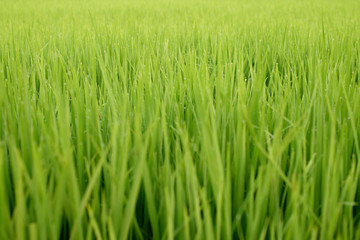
(165, 119)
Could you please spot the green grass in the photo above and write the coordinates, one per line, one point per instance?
(179, 120)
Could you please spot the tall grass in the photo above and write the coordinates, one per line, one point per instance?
(179, 120)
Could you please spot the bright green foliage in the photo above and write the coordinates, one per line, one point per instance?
(179, 120)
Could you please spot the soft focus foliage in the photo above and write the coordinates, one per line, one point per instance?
(179, 119)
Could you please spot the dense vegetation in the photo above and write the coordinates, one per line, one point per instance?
(172, 119)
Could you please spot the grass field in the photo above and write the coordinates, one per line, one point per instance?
(179, 119)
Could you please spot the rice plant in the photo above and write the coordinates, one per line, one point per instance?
(179, 119)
